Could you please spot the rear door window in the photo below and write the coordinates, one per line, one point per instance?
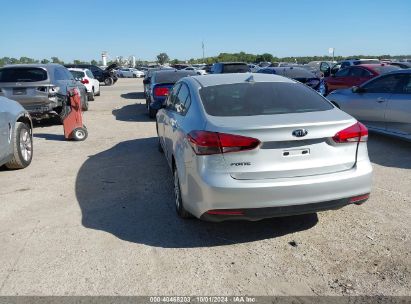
(261, 98)
(181, 99)
(342, 73)
(23, 74)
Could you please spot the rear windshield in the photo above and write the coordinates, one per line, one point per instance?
(386, 68)
(77, 74)
(22, 74)
(261, 98)
(171, 77)
(294, 72)
(235, 68)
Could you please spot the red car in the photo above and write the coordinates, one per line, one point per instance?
(356, 75)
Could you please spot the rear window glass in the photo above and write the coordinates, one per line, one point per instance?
(386, 68)
(77, 74)
(22, 74)
(171, 77)
(294, 73)
(261, 98)
(235, 68)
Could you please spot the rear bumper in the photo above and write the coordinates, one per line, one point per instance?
(275, 197)
(254, 214)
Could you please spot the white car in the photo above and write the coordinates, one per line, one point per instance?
(199, 70)
(137, 73)
(87, 79)
(125, 72)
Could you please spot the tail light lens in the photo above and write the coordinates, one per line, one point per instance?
(354, 134)
(161, 92)
(207, 143)
(84, 81)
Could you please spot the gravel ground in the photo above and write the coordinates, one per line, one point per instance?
(97, 218)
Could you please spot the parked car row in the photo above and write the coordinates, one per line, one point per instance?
(37, 91)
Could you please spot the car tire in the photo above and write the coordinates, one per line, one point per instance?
(22, 147)
(98, 93)
(134, 76)
(90, 95)
(152, 112)
(181, 212)
(108, 81)
(84, 106)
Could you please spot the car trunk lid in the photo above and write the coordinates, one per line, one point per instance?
(285, 150)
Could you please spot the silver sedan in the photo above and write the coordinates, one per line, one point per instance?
(254, 146)
(16, 140)
(383, 104)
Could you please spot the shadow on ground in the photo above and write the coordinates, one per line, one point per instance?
(133, 95)
(54, 137)
(127, 191)
(389, 151)
(134, 112)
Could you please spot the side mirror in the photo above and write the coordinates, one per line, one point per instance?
(357, 90)
(326, 72)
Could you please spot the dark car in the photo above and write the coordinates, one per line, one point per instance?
(107, 76)
(180, 66)
(299, 74)
(160, 86)
(147, 79)
(402, 65)
(42, 89)
(356, 75)
(230, 67)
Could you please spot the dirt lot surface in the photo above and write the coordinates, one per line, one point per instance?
(97, 218)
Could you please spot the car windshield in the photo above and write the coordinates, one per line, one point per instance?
(236, 68)
(386, 68)
(261, 98)
(77, 74)
(21, 74)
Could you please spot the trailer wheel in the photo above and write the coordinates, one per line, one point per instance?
(80, 134)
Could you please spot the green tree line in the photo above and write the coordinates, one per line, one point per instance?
(10, 60)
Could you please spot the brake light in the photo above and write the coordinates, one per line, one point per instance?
(355, 133)
(161, 92)
(84, 81)
(206, 143)
(225, 212)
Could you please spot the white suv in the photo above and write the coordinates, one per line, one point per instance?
(87, 79)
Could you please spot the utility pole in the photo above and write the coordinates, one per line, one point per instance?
(202, 44)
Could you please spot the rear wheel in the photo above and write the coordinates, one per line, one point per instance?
(90, 95)
(84, 106)
(98, 93)
(108, 81)
(152, 112)
(177, 197)
(22, 147)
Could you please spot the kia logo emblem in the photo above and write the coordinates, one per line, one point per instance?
(300, 133)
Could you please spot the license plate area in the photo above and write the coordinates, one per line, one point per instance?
(296, 152)
(19, 91)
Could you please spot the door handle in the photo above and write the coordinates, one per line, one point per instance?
(380, 100)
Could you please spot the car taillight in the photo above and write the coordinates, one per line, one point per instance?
(206, 143)
(161, 92)
(353, 134)
(84, 81)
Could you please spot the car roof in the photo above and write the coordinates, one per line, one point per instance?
(402, 71)
(78, 69)
(33, 65)
(219, 79)
(371, 65)
(234, 62)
